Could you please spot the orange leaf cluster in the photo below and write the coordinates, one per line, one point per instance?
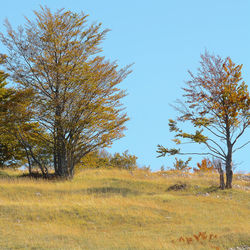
(205, 166)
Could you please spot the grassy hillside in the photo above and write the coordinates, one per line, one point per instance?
(117, 209)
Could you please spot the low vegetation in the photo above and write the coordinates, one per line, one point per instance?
(120, 209)
(61, 106)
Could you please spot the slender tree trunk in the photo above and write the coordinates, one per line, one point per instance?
(30, 167)
(55, 157)
(28, 158)
(221, 172)
(29, 153)
(229, 171)
(71, 164)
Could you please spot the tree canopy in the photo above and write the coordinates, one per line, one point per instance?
(76, 98)
(216, 103)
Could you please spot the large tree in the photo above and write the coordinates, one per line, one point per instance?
(76, 95)
(19, 133)
(11, 150)
(217, 104)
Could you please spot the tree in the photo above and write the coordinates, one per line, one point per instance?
(96, 159)
(182, 165)
(11, 151)
(76, 95)
(19, 133)
(103, 159)
(205, 166)
(124, 161)
(217, 104)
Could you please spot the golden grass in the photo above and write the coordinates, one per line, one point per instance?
(116, 209)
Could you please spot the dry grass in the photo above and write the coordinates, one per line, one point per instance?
(114, 209)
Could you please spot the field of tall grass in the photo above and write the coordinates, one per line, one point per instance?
(118, 209)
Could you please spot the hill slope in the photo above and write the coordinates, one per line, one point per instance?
(117, 209)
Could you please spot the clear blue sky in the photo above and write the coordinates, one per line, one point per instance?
(164, 39)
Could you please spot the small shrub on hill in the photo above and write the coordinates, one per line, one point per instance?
(103, 159)
(182, 165)
(205, 166)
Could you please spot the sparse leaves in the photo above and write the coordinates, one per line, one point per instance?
(162, 151)
(216, 100)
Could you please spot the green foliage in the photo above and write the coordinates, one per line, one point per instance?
(182, 165)
(20, 137)
(103, 159)
(77, 100)
(162, 151)
(96, 159)
(11, 150)
(124, 161)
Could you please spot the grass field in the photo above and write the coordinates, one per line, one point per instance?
(117, 209)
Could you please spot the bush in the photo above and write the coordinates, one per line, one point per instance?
(181, 165)
(205, 166)
(103, 159)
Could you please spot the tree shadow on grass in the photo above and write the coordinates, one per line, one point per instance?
(40, 176)
(211, 189)
(111, 190)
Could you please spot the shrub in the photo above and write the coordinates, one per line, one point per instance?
(182, 165)
(103, 159)
(205, 166)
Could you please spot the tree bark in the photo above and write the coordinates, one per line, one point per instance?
(60, 157)
(28, 158)
(61, 160)
(221, 172)
(229, 171)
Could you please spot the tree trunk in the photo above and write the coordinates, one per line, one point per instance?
(29, 162)
(221, 172)
(55, 157)
(229, 171)
(62, 162)
(72, 162)
(60, 157)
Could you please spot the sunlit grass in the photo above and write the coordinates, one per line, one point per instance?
(116, 209)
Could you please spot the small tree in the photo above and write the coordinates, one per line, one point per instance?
(205, 166)
(19, 133)
(124, 161)
(11, 150)
(97, 159)
(217, 104)
(103, 159)
(76, 95)
(182, 165)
